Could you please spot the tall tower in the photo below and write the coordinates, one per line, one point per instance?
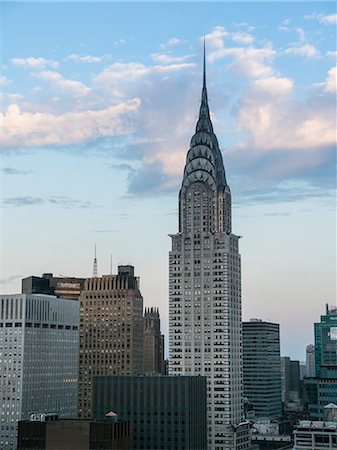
(153, 347)
(205, 287)
(110, 331)
(262, 367)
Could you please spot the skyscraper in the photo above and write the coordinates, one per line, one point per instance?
(153, 357)
(110, 331)
(205, 336)
(322, 389)
(262, 367)
(64, 287)
(310, 361)
(38, 360)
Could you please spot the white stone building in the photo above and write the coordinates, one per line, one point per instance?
(205, 328)
(38, 360)
(310, 361)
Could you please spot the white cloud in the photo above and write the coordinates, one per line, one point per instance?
(76, 87)
(301, 34)
(307, 50)
(172, 42)
(331, 54)
(84, 58)
(331, 81)
(34, 63)
(163, 58)
(4, 81)
(214, 40)
(114, 77)
(247, 61)
(329, 19)
(242, 37)
(275, 121)
(250, 62)
(37, 129)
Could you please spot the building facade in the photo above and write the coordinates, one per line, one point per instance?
(38, 360)
(153, 350)
(262, 368)
(205, 328)
(321, 389)
(310, 361)
(315, 435)
(290, 380)
(165, 412)
(64, 287)
(110, 331)
(73, 435)
(326, 344)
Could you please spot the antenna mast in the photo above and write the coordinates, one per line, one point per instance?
(94, 271)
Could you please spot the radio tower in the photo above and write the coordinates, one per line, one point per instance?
(94, 270)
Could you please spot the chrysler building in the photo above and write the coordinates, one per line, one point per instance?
(205, 288)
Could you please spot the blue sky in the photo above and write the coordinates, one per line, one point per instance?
(99, 104)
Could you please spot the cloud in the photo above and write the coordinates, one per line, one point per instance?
(89, 59)
(248, 62)
(329, 19)
(62, 201)
(173, 42)
(38, 129)
(330, 82)
(251, 62)
(134, 71)
(4, 81)
(23, 201)
(70, 203)
(307, 50)
(76, 87)
(12, 171)
(301, 34)
(34, 63)
(274, 120)
(331, 54)
(242, 37)
(162, 58)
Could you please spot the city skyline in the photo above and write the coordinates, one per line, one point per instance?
(117, 100)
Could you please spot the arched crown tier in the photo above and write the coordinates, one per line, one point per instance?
(205, 198)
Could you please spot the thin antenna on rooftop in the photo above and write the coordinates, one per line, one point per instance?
(110, 264)
(94, 271)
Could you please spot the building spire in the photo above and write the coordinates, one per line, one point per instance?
(204, 122)
(204, 77)
(94, 270)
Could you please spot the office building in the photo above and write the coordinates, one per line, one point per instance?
(205, 328)
(326, 344)
(310, 361)
(153, 357)
(64, 287)
(165, 412)
(38, 360)
(315, 435)
(45, 432)
(321, 389)
(290, 380)
(111, 330)
(262, 368)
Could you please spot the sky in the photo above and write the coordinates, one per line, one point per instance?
(99, 103)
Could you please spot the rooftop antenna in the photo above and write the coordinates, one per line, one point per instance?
(94, 271)
(110, 264)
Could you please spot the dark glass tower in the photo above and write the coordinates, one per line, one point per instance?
(205, 287)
